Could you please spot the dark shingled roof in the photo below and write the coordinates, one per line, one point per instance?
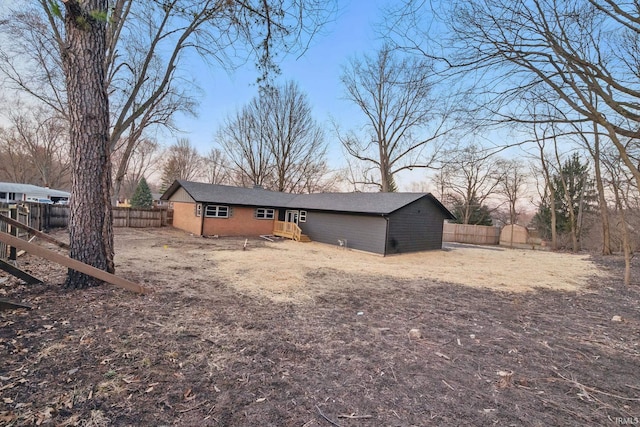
(371, 203)
(368, 203)
(225, 194)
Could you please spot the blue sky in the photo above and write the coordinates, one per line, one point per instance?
(317, 74)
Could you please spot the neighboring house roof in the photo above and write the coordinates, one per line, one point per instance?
(369, 203)
(31, 190)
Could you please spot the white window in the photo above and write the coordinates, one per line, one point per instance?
(216, 211)
(265, 213)
(303, 216)
(198, 209)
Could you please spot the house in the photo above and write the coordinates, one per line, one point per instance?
(11, 192)
(382, 223)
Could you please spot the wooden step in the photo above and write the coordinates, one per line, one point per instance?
(304, 238)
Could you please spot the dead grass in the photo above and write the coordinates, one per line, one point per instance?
(284, 271)
(288, 334)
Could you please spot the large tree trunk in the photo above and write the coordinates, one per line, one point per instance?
(90, 224)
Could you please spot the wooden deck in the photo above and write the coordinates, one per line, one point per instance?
(289, 230)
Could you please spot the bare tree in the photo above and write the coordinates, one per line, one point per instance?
(215, 167)
(586, 52)
(245, 143)
(591, 140)
(472, 176)
(405, 124)
(319, 178)
(546, 166)
(620, 184)
(295, 139)
(146, 42)
(35, 148)
(86, 46)
(15, 162)
(512, 186)
(275, 141)
(182, 162)
(143, 162)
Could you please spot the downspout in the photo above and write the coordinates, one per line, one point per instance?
(386, 235)
(202, 209)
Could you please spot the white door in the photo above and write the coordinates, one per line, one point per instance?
(291, 216)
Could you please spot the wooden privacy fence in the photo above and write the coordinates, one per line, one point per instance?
(475, 234)
(45, 216)
(139, 218)
(39, 215)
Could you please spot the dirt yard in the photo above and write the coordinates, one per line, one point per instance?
(293, 334)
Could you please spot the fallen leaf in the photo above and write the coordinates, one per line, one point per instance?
(262, 399)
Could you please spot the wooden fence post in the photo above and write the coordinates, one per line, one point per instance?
(13, 214)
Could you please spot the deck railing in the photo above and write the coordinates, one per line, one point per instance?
(290, 230)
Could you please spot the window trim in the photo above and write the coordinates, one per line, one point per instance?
(302, 216)
(216, 213)
(198, 209)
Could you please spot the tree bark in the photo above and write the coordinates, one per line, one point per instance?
(90, 223)
(626, 241)
(602, 201)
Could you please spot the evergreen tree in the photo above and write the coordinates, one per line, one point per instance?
(142, 197)
(581, 194)
(479, 214)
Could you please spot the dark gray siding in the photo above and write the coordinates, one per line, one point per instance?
(415, 227)
(363, 232)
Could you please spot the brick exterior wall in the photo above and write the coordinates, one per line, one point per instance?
(241, 223)
(184, 217)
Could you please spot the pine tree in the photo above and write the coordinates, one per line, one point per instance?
(479, 214)
(581, 194)
(142, 197)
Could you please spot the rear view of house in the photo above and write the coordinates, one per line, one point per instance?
(382, 223)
